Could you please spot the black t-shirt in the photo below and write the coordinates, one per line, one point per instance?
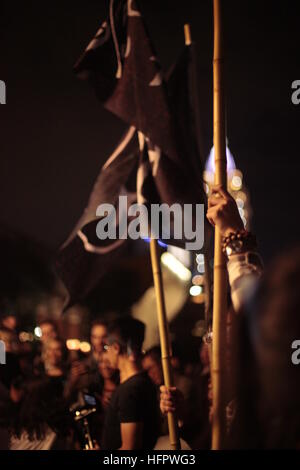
(134, 401)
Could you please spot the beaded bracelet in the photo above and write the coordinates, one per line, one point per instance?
(238, 241)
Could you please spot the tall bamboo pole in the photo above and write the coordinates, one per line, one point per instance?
(220, 273)
(166, 353)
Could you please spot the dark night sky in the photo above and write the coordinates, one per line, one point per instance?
(55, 135)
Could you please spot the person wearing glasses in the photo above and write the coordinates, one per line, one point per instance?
(132, 416)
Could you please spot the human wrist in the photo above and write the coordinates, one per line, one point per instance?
(238, 241)
(231, 229)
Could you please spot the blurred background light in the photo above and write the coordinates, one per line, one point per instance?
(174, 265)
(73, 344)
(38, 332)
(210, 164)
(198, 280)
(240, 203)
(200, 258)
(162, 244)
(236, 182)
(195, 290)
(85, 347)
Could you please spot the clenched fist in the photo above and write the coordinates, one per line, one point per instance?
(223, 212)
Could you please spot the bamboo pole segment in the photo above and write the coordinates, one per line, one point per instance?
(187, 34)
(166, 353)
(164, 338)
(220, 272)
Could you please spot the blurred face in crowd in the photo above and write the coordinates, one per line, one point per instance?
(104, 368)
(175, 362)
(9, 339)
(10, 322)
(16, 394)
(98, 338)
(112, 351)
(54, 353)
(153, 369)
(48, 332)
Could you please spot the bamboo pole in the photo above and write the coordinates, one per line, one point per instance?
(166, 353)
(187, 34)
(220, 272)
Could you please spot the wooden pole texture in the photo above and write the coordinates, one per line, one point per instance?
(220, 271)
(166, 353)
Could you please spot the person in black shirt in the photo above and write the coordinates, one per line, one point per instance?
(132, 417)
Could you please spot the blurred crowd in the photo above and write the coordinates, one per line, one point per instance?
(114, 397)
(54, 398)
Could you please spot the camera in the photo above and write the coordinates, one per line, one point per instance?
(81, 410)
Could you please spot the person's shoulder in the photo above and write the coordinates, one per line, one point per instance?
(142, 379)
(144, 385)
(137, 382)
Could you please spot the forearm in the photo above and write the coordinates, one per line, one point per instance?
(244, 271)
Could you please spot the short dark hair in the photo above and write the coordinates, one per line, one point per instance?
(48, 321)
(4, 316)
(4, 329)
(41, 407)
(99, 322)
(129, 331)
(154, 353)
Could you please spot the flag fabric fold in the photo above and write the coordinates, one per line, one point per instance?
(157, 161)
(122, 66)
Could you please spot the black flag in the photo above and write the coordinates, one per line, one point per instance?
(157, 161)
(122, 66)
